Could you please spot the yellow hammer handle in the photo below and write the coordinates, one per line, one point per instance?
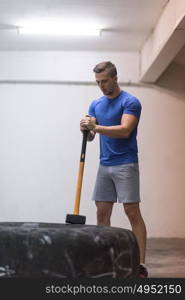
(78, 189)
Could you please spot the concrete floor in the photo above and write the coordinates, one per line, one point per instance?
(165, 257)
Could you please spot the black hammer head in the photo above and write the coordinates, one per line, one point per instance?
(75, 219)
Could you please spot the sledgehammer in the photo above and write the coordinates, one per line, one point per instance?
(75, 218)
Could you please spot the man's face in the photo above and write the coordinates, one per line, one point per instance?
(106, 83)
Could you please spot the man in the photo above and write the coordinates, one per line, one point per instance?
(115, 117)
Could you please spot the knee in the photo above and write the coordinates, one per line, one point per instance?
(101, 214)
(104, 210)
(103, 218)
(133, 214)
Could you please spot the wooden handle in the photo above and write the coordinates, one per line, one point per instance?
(78, 189)
(80, 173)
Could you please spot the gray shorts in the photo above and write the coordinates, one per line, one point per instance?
(117, 184)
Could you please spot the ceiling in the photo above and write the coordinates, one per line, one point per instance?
(126, 23)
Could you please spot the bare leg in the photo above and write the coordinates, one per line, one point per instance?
(104, 211)
(133, 213)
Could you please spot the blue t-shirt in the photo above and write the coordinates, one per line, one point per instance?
(108, 112)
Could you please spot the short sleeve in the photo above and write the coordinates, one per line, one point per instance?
(132, 107)
(91, 111)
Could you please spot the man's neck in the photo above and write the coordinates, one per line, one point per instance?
(115, 94)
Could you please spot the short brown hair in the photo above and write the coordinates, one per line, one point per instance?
(106, 66)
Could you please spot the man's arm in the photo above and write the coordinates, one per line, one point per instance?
(128, 123)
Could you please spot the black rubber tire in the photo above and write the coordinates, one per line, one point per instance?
(67, 250)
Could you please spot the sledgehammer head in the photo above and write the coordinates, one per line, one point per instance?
(75, 219)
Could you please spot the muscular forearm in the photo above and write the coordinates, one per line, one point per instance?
(128, 123)
(117, 131)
